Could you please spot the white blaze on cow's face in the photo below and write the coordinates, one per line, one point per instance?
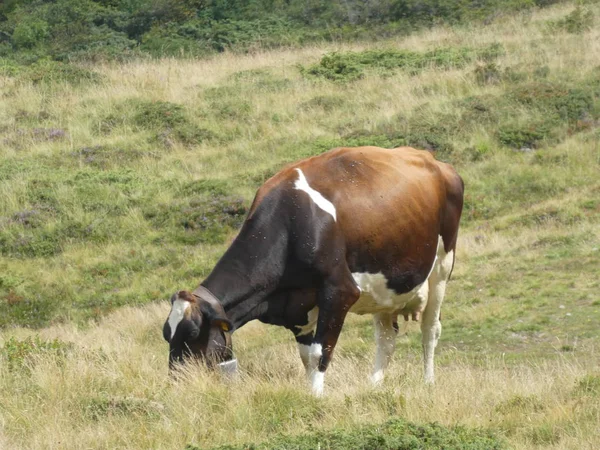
(177, 314)
(302, 185)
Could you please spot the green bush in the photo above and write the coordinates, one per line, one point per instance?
(19, 354)
(47, 72)
(568, 103)
(350, 66)
(396, 434)
(100, 29)
(526, 135)
(29, 34)
(577, 21)
(157, 114)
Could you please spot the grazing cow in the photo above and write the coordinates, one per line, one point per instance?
(366, 230)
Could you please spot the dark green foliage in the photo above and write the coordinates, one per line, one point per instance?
(169, 122)
(47, 72)
(157, 114)
(195, 220)
(526, 135)
(577, 21)
(337, 67)
(396, 434)
(552, 110)
(567, 103)
(18, 354)
(351, 66)
(102, 29)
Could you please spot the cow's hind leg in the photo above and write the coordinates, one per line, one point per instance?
(431, 327)
(304, 342)
(386, 329)
(338, 294)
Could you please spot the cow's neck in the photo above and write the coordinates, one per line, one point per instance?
(248, 271)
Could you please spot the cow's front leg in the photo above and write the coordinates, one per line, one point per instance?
(334, 299)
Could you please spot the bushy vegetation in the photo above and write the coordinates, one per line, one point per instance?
(118, 29)
(19, 355)
(396, 434)
(353, 65)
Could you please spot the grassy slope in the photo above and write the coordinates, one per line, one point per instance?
(95, 180)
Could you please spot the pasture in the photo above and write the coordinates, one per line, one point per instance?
(121, 183)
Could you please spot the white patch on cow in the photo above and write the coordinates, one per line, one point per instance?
(177, 313)
(316, 196)
(316, 377)
(377, 298)
(316, 351)
(304, 351)
(311, 322)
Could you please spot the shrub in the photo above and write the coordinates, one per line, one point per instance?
(577, 21)
(335, 67)
(395, 434)
(46, 71)
(29, 34)
(350, 66)
(525, 135)
(157, 114)
(19, 354)
(568, 103)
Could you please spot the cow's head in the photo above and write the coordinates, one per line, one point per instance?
(197, 328)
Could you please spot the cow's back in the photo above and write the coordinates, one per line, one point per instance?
(390, 206)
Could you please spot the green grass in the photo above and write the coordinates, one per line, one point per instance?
(394, 434)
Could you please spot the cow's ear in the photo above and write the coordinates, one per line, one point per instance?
(223, 324)
(214, 318)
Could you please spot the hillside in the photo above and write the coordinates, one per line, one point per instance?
(124, 181)
(97, 30)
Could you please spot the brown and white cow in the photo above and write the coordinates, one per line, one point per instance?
(365, 230)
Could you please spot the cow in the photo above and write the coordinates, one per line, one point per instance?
(364, 229)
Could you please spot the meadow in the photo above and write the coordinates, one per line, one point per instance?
(121, 183)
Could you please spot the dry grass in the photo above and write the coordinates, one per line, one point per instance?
(112, 391)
